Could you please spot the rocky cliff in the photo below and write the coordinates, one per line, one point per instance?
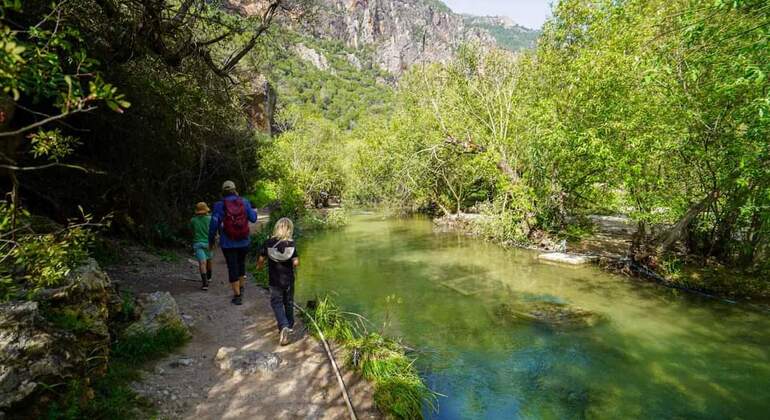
(400, 33)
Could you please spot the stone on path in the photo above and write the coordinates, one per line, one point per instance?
(247, 362)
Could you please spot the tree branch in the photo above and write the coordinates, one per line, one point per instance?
(45, 121)
(50, 165)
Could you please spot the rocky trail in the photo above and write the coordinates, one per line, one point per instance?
(233, 367)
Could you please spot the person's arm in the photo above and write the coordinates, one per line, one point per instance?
(262, 256)
(250, 211)
(216, 219)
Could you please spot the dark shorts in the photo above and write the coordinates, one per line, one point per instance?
(236, 262)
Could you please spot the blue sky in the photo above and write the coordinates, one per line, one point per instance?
(529, 13)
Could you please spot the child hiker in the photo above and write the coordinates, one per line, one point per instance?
(200, 227)
(281, 253)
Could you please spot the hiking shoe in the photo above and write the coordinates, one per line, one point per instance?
(284, 340)
(237, 300)
(205, 287)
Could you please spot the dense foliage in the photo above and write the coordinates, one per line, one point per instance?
(654, 109)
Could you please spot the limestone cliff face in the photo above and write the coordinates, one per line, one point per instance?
(399, 32)
(402, 32)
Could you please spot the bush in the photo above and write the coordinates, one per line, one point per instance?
(320, 220)
(32, 260)
(265, 193)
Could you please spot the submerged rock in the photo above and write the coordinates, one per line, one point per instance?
(247, 362)
(549, 313)
(159, 310)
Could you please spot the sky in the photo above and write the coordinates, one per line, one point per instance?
(529, 13)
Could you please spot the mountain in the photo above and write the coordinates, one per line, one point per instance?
(402, 32)
(508, 34)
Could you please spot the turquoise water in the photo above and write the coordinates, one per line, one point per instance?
(655, 353)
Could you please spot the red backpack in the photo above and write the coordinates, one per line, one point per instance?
(236, 223)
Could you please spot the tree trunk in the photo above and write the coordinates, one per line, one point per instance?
(673, 235)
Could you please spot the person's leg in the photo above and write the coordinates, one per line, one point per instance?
(288, 305)
(276, 302)
(242, 253)
(200, 255)
(209, 272)
(231, 258)
(204, 275)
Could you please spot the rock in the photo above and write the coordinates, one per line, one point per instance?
(183, 362)
(61, 336)
(247, 362)
(354, 61)
(259, 104)
(564, 258)
(312, 56)
(159, 310)
(556, 315)
(461, 222)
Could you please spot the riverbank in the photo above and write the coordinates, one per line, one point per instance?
(192, 384)
(607, 244)
(502, 334)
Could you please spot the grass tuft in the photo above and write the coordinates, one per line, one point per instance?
(398, 389)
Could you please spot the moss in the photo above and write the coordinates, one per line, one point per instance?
(69, 319)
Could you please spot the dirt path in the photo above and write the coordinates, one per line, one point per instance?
(190, 385)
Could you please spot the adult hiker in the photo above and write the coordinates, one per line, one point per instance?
(281, 253)
(200, 227)
(230, 219)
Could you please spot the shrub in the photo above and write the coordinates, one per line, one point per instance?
(320, 220)
(265, 193)
(32, 260)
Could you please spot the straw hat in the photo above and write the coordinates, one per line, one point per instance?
(202, 208)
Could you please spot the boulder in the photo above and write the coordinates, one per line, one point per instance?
(61, 336)
(246, 362)
(159, 310)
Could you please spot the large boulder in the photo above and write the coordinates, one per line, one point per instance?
(28, 354)
(159, 310)
(61, 336)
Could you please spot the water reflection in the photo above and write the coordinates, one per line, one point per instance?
(656, 353)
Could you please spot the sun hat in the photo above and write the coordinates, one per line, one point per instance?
(201, 209)
(228, 186)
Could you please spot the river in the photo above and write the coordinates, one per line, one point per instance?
(654, 353)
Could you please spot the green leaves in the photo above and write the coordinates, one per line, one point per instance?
(52, 144)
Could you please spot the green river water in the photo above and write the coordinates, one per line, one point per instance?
(657, 353)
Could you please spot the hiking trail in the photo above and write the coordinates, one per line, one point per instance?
(189, 383)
